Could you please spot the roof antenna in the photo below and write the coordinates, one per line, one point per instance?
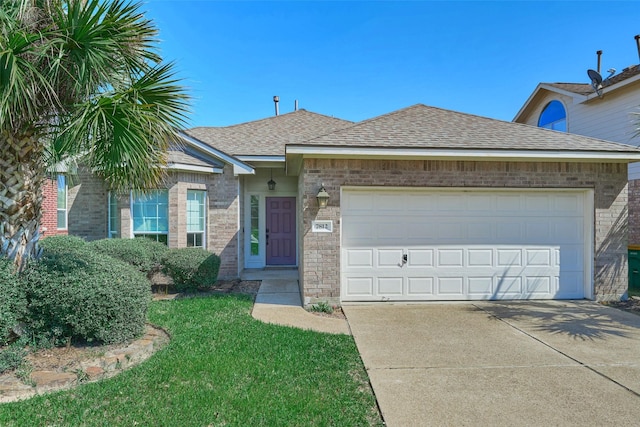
(295, 104)
(637, 37)
(597, 82)
(276, 99)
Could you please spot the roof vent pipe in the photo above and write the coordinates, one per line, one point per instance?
(276, 99)
(295, 105)
(599, 53)
(637, 37)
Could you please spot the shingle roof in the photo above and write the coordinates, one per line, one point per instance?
(177, 156)
(579, 88)
(268, 137)
(586, 89)
(420, 126)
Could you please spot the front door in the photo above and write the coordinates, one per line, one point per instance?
(281, 230)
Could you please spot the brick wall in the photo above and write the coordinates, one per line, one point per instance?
(224, 217)
(88, 205)
(49, 221)
(320, 262)
(634, 212)
(222, 214)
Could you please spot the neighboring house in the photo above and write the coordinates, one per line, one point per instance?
(612, 115)
(423, 204)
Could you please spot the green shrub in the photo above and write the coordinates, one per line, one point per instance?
(12, 356)
(13, 301)
(62, 244)
(144, 254)
(191, 268)
(82, 295)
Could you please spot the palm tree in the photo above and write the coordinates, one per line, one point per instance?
(81, 80)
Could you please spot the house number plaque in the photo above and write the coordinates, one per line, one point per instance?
(322, 226)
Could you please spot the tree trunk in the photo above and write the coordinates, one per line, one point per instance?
(21, 177)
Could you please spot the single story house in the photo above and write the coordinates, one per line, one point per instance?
(415, 205)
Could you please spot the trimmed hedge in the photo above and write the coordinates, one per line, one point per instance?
(144, 254)
(191, 269)
(77, 294)
(62, 244)
(13, 301)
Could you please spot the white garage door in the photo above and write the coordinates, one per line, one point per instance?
(470, 244)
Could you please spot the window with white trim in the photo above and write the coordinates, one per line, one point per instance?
(114, 216)
(150, 214)
(62, 202)
(196, 218)
(553, 117)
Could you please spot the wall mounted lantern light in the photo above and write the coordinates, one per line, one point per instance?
(323, 197)
(271, 184)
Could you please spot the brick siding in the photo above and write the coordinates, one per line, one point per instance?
(634, 212)
(320, 260)
(88, 205)
(49, 220)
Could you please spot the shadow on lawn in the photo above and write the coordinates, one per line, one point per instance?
(580, 320)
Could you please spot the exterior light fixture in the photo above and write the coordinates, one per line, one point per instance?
(271, 184)
(323, 197)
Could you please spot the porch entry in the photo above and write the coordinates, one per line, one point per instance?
(281, 230)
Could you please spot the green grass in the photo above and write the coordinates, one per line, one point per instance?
(222, 367)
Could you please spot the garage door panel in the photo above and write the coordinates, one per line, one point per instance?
(390, 286)
(463, 245)
(480, 257)
(420, 286)
(359, 286)
(450, 286)
(450, 231)
(509, 257)
(450, 258)
(509, 287)
(389, 258)
(539, 257)
(570, 257)
(358, 258)
(567, 229)
(509, 229)
(450, 203)
(539, 286)
(508, 202)
(420, 257)
(481, 286)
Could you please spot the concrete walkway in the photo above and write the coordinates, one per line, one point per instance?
(501, 364)
(278, 301)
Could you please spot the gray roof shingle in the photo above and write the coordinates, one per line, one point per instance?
(177, 156)
(420, 126)
(586, 89)
(268, 137)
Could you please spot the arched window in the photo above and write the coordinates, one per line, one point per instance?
(553, 117)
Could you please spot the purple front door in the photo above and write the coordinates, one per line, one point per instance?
(281, 230)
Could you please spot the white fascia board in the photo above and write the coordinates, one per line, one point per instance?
(462, 154)
(577, 98)
(193, 168)
(607, 89)
(239, 167)
(274, 159)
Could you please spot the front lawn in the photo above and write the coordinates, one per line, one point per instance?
(222, 367)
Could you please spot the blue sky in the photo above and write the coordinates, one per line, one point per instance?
(359, 59)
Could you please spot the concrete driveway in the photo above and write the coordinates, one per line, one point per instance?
(501, 363)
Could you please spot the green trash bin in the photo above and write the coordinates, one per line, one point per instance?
(634, 268)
